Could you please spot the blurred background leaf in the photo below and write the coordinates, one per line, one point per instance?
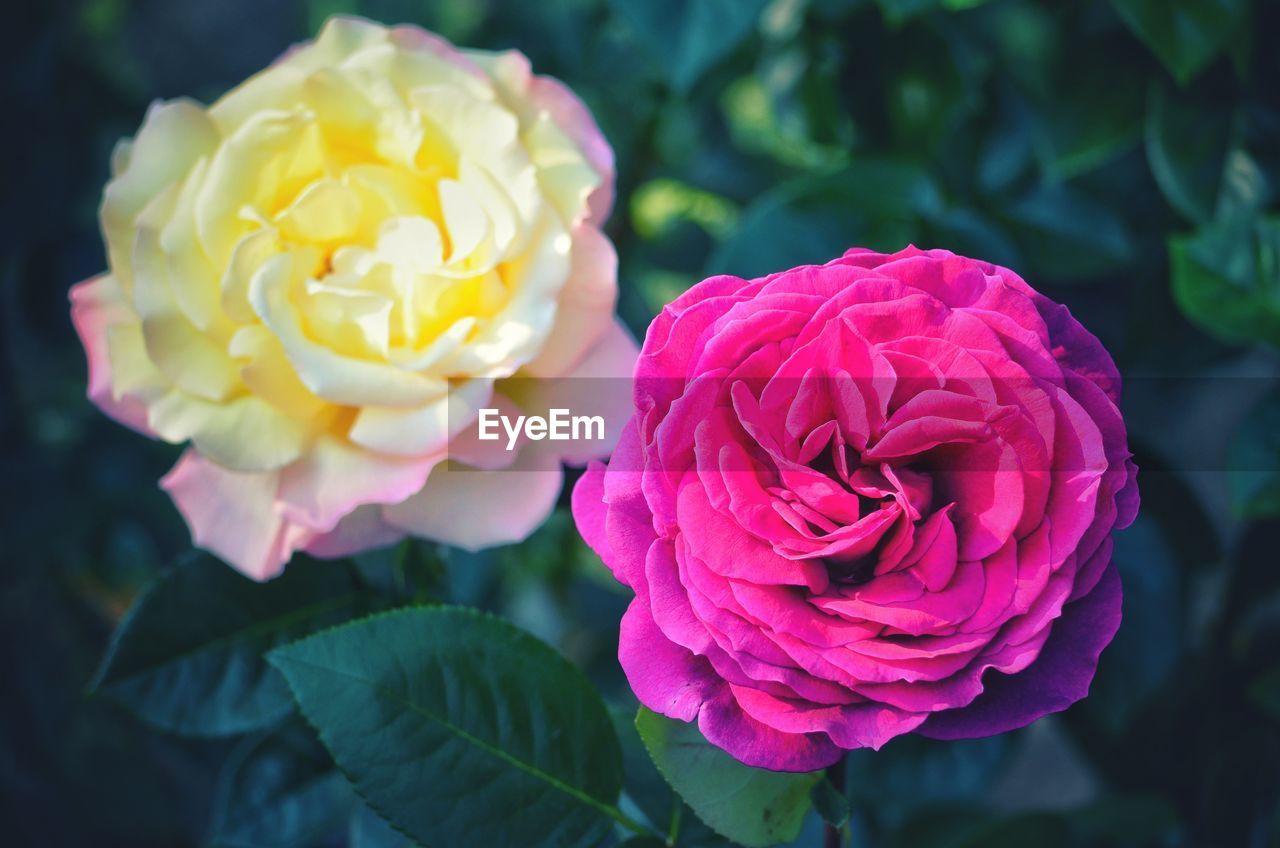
(189, 655)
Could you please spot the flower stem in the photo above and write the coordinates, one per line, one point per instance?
(831, 835)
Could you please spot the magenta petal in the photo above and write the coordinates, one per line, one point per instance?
(864, 499)
(666, 678)
(1058, 678)
(755, 743)
(589, 510)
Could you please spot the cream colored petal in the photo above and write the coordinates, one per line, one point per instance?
(332, 376)
(277, 88)
(478, 125)
(351, 321)
(411, 243)
(190, 359)
(442, 347)
(497, 205)
(174, 135)
(245, 434)
(530, 96)
(475, 509)
(341, 37)
(513, 337)
(388, 193)
(269, 374)
(465, 220)
(325, 211)
(585, 310)
(248, 256)
(267, 155)
(133, 375)
(564, 174)
(424, 430)
(193, 280)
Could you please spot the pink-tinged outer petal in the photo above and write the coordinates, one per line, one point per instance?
(473, 508)
(336, 477)
(95, 308)
(584, 312)
(489, 454)
(1058, 678)
(599, 385)
(408, 35)
(575, 119)
(233, 514)
(360, 530)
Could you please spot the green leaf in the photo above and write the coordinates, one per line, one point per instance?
(650, 792)
(1129, 819)
(1264, 690)
(279, 790)
(689, 36)
(370, 830)
(832, 804)
(969, 233)
(1187, 149)
(1184, 34)
(459, 728)
(898, 12)
(188, 657)
(753, 807)
(1067, 233)
(872, 203)
(1226, 278)
(658, 205)
(1148, 648)
(912, 773)
(1092, 116)
(645, 786)
(1254, 464)
(412, 570)
(790, 108)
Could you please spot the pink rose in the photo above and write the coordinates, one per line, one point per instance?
(319, 280)
(862, 499)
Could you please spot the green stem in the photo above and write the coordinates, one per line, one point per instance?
(673, 832)
(831, 835)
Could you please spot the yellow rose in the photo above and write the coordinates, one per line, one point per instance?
(318, 280)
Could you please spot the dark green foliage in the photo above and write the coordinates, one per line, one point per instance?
(752, 807)
(1122, 155)
(279, 789)
(189, 656)
(428, 710)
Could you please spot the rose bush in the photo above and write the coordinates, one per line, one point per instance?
(318, 280)
(864, 499)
